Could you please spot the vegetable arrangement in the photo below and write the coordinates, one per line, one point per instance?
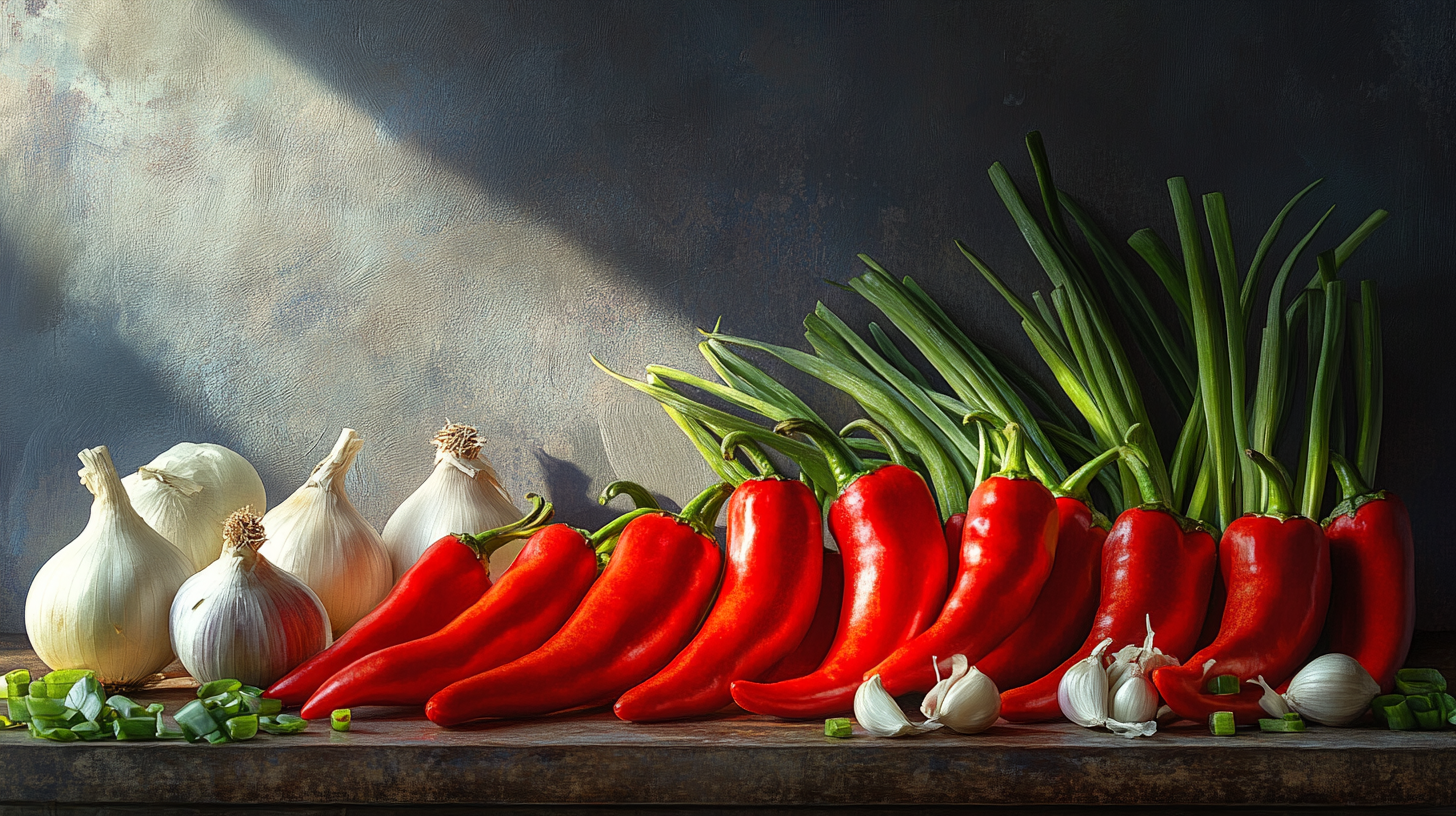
(972, 562)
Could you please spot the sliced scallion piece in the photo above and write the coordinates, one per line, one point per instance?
(1281, 725)
(45, 706)
(213, 688)
(1419, 681)
(125, 706)
(1221, 723)
(1224, 684)
(59, 682)
(243, 726)
(1398, 717)
(1427, 711)
(54, 734)
(87, 697)
(195, 720)
(340, 718)
(134, 728)
(282, 724)
(838, 727)
(1379, 704)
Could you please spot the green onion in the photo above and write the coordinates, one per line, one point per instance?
(1223, 684)
(89, 731)
(163, 732)
(1379, 704)
(244, 726)
(1398, 717)
(1427, 711)
(339, 719)
(838, 727)
(1419, 681)
(58, 683)
(7, 723)
(282, 724)
(195, 720)
(1284, 725)
(1221, 723)
(17, 686)
(213, 688)
(217, 738)
(87, 697)
(55, 734)
(125, 706)
(135, 728)
(45, 706)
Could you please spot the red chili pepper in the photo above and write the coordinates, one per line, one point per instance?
(1154, 563)
(1372, 576)
(1276, 566)
(764, 608)
(637, 616)
(893, 546)
(448, 577)
(530, 602)
(1068, 601)
(1007, 549)
(954, 528)
(812, 650)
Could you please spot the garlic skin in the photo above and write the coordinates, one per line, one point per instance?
(1333, 689)
(966, 702)
(878, 713)
(461, 495)
(317, 535)
(188, 492)
(102, 601)
(1082, 693)
(242, 617)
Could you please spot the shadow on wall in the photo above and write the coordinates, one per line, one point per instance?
(54, 405)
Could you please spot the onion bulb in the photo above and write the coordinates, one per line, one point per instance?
(101, 602)
(317, 535)
(187, 493)
(462, 495)
(243, 618)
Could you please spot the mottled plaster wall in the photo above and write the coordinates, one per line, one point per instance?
(255, 222)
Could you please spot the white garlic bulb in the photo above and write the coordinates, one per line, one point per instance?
(242, 617)
(966, 702)
(317, 535)
(188, 491)
(878, 713)
(101, 603)
(1332, 689)
(1084, 696)
(462, 495)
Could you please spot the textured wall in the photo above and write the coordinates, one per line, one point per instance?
(256, 222)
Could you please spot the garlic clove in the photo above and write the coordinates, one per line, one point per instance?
(958, 668)
(878, 713)
(970, 704)
(1272, 702)
(1082, 693)
(1135, 699)
(1333, 689)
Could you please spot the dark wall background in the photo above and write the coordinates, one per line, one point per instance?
(724, 158)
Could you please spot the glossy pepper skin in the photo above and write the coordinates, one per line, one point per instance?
(448, 577)
(1007, 550)
(1372, 577)
(1276, 567)
(893, 546)
(1153, 564)
(765, 605)
(530, 602)
(1068, 601)
(812, 649)
(954, 528)
(636, 617)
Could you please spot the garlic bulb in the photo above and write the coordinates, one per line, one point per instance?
(966, 702)
(242, 617)
(462, 495)
(1333, 689)
(187, 493)
(1084, 697)
(878, 713)
(317, 535)
(101, 603)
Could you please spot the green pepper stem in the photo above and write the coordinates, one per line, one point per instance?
(843, 463)
(640, 495)
(1136, 459)
(614, 527)
(739, 441)
(702, 511)
(1077, 483)
(878, 431)
(486, 543)
(1352, 484)
(1281, 490)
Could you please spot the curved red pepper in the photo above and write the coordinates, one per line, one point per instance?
(635, 618)
(1277, 570)
(1372, 577)
(1068, 601)
(448, 577)
(764, 608)
(530, 602)
(1153, 564)
(893, 546)
(954, 528)
(811, 651)
(1007, 549)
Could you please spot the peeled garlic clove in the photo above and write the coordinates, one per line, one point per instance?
(1135, 699)
(1334, 689)
(878, 713)
(1271, 702)
(1082, 693)
(971, 703)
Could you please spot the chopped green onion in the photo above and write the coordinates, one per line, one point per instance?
(195, 721)
(18, 708)
(1223, 684)
(217, 738)
(212, 688)
(163, 732)
(58, 683)
(1221, 723)
(244, 726)
(134, 728)
(838, 727)
(7, 723)
(87, 697)
(1379, 704)
(340, 718)
(282, 724)
(269, 705)
(1399, 717)
(224, 706)
(17, 683)
(1427, 711)
(45, 706)
(89, 731)
(55, 734)
(1419, 681)
(125, 706)
(1293, 716)
(1448, 708)
(1281, 725)
(253, 690)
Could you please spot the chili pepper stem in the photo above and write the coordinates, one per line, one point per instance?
(702, 512)
(843, 463)
(1281, 502)
(636, 492)
(878, 431)
(1136, 459)
(486, 543)
(735, 441)
(1013, 463)
(1075, 485)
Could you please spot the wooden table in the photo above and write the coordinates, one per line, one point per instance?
(394, 756)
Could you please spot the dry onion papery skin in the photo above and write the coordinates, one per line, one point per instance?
(317, 535)
(102, 601)
(243, 618)
(188, 492)
(461, 495)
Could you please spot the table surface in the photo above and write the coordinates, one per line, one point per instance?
(395, 756)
